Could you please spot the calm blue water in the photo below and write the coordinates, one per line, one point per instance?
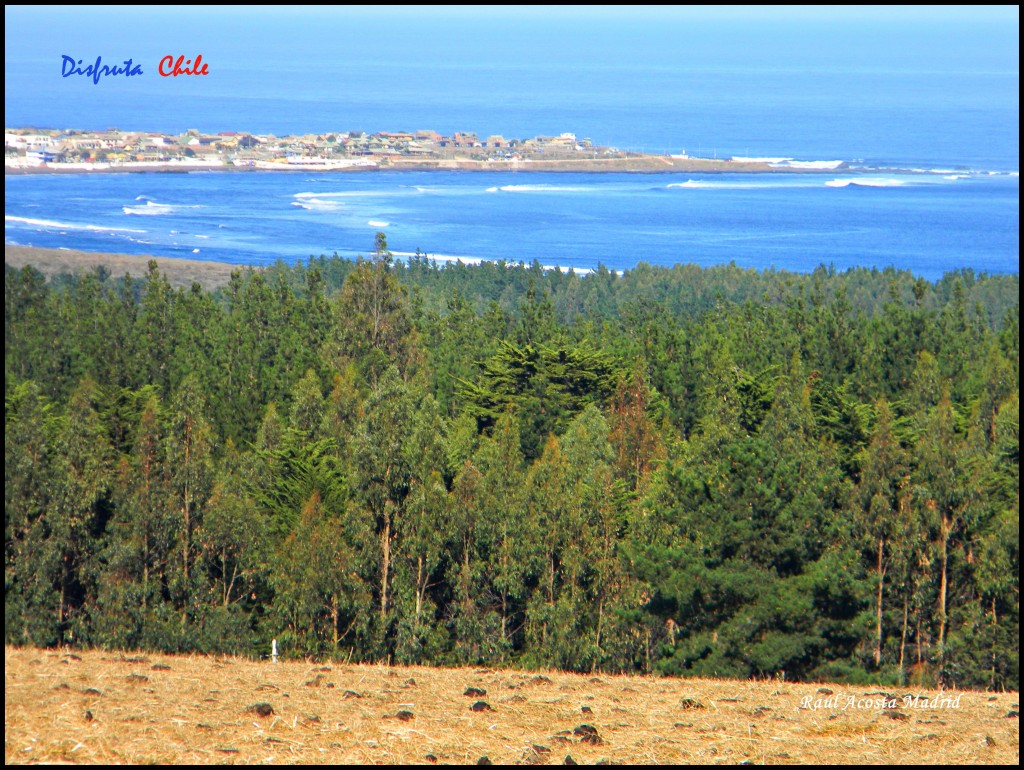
(935, 90)
(925, 223)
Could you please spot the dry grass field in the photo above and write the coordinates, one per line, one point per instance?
(179, 272)
(99, 707)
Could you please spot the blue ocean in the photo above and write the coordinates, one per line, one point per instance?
(921, 104)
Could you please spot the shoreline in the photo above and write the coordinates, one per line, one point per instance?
(646, 164)
(180, 271)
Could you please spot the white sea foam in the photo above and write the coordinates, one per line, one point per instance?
(478, 260)
(49, 223)
(447, 190)
(692, 184)
(316, 204)
(378, 223)
(740, 159)
(810, 164)
(529, 188)
(699, 184)
(342, 194)
(866, 182)
(153, 209)
(442, 257)
(149, 209)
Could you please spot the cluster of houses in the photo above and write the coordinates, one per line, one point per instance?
(27, 147)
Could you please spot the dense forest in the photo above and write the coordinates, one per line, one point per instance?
(691, 471)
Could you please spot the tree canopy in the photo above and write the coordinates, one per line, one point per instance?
(694, 471)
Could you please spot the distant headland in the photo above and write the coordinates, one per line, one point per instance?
(33, 150)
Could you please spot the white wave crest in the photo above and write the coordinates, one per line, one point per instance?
(49, 223)
(378, 223)
(316, 204)
(528, 188)
(479, 260)
(866, 182)
(153, 209)
(774, 161)
(811, 164)
(695, 184)
(342, 194)
(149, 209)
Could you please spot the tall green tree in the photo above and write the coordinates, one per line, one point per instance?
(424, 534)
(382, 473)
(29, 597)
(80, 503)
(189, 441)
(142, 536)
(372, 325)
(882, 507)
(321, 604)
(502, 542)
(949, 499)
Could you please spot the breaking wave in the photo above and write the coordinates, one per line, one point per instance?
(51, 224)
(810, 164)
(528, 188)
(317, 204)
(773, 161)
(699, 184)
(342, 194)
(478, 260)
(866, 182)
(153, 209)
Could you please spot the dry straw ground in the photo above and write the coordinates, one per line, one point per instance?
(100, 707)
(179, 272)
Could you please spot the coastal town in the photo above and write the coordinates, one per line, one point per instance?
(30, 150)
